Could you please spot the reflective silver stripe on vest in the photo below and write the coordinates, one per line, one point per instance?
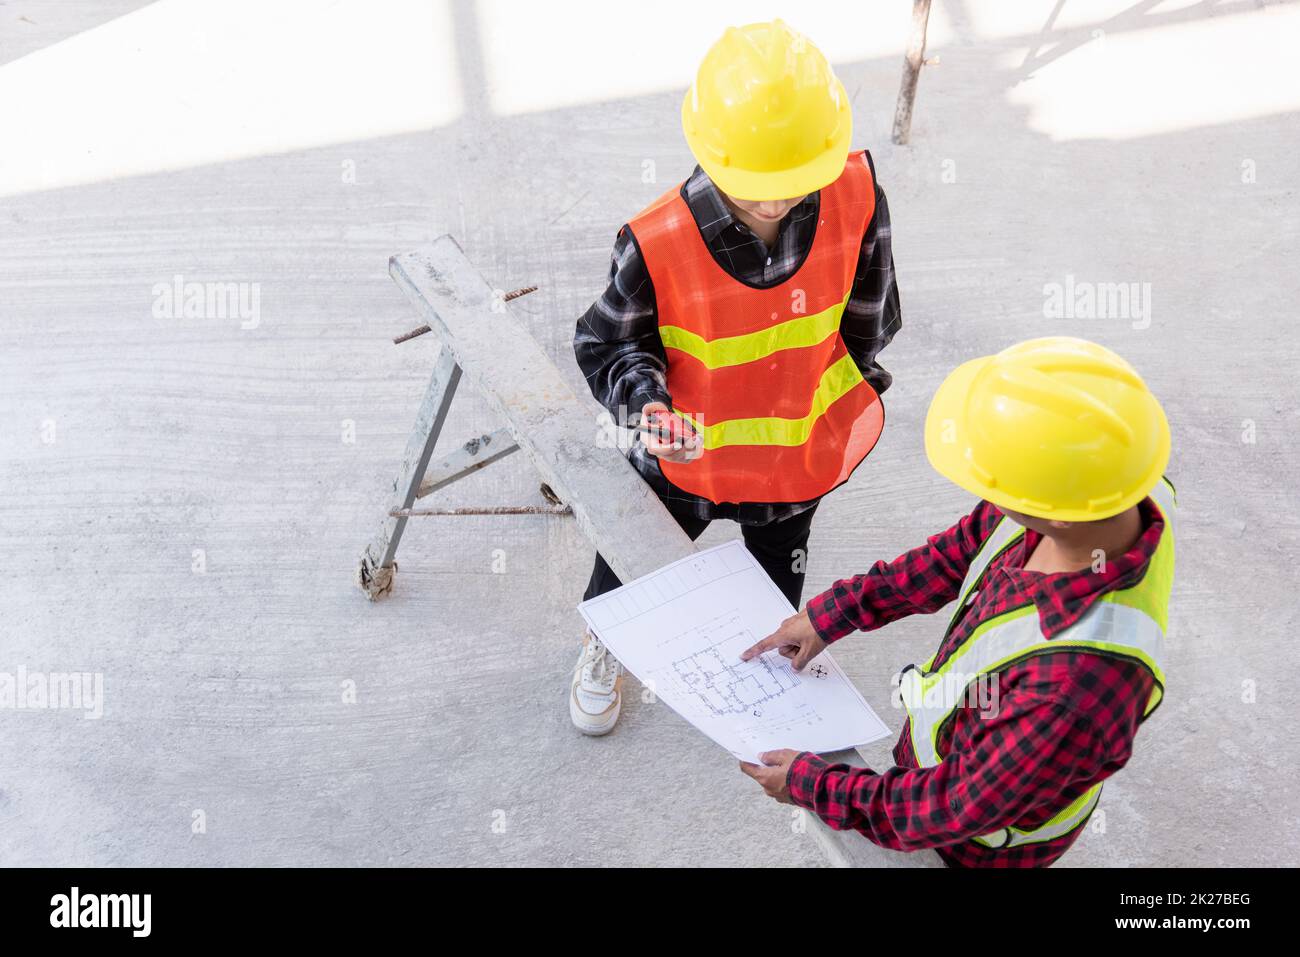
(1003, 534)
(1061, 824)
(1108, 626)
(930, 697)
(1164, 496)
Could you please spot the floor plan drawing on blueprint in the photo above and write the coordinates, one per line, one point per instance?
(681, 630)
(724, 683)
(716, 677)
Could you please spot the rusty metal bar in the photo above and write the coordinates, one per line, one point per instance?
(483, 510)
(421, 330)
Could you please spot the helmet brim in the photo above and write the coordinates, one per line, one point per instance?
(946, 444)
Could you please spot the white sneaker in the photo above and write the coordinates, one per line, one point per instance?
(595, 692)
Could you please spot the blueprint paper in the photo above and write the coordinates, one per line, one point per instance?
(681, 630)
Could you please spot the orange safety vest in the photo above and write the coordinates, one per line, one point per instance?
(762, 373)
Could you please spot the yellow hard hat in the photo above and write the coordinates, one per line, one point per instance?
(1058, 428)
(766, 118)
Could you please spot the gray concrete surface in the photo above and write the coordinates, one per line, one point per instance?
(130, 444)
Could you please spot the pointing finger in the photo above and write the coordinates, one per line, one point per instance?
(767, 644)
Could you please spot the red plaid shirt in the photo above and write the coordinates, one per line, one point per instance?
(1064, 721)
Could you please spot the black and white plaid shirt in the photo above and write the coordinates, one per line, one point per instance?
(617, 339)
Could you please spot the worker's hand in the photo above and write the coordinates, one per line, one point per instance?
(683, 450)
(773, 772)
(796, 639)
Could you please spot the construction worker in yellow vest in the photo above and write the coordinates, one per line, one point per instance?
(1052, 657)
(743, 316)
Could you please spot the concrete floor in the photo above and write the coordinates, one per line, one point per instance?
(225, 690)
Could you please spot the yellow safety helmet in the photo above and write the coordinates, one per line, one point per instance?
(1058, 428)
(766, 118)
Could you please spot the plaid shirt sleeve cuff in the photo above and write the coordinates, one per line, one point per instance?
(801, 779)
(641, 400)
(827, 619)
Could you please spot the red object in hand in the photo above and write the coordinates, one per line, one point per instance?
(668, 428)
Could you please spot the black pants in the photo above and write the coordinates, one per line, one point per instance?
(780, 547)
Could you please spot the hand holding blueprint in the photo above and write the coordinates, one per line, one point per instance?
(681, 630)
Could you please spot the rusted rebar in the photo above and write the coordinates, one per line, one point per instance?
(421, 330)
(411, 335)
(483, 510)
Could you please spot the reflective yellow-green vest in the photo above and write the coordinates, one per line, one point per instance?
(1127, 623)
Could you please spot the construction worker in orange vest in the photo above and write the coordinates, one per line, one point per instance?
(743, 316)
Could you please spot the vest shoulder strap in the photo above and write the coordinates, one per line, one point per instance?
(1004, 534)
(1107, 627)
(1007, 532)
(658, 221)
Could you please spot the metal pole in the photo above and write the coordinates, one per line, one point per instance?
(911, 72)
(378, 561)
